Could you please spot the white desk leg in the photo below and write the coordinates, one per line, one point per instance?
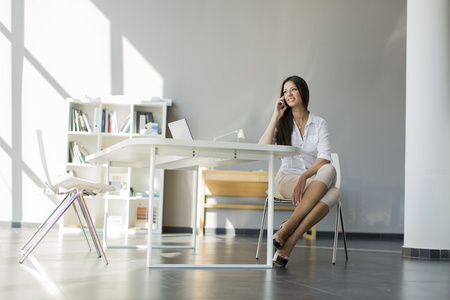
(105, 216)
(195, 207)
(270, 215)
(151, 181)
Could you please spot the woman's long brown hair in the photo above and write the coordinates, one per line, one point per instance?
(285, 124)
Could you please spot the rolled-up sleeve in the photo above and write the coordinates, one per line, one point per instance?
(324, 146)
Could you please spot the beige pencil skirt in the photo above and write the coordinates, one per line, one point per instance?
(326, 174)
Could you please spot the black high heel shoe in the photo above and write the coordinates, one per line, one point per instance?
(278, 242)
(280, 259)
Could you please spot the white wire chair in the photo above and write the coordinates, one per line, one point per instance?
(339, 217)
(75, 189)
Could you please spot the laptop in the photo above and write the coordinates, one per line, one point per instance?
(180, 130)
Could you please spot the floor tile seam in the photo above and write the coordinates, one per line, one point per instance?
(184, 283)
(366, 277)
(317, 289)
(188, 284)
(227, 281)
(376, 279)
(351, 249)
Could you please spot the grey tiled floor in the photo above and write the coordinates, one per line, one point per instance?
(62, 268)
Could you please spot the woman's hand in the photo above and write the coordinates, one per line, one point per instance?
(280, 108)
(298, 190)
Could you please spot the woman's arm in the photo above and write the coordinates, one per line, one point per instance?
(300, 187)
(323, 157)
(315, 167)
(278, 112)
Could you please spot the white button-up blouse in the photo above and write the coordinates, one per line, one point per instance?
(314, 144)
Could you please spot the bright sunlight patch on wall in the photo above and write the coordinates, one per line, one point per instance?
(139, 76)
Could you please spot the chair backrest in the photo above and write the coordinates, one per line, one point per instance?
(40, 139)
(334, 162)
(337, 166)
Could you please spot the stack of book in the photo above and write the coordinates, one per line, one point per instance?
(142, 119)
(78, 120)
(77, 153)
(109, 121)
(141, 216)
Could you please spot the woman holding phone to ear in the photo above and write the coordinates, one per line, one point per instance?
(308, 178)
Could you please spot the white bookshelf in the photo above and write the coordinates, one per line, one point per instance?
(119, 209)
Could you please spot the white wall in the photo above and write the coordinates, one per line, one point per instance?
(222, 62)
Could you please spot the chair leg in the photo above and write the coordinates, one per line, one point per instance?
(44, 223)
(84, 211)
(91, 226)
(343, 232)
(47, 228)
(81, 226)
(261, 231)
(339, 217)
(333, 260)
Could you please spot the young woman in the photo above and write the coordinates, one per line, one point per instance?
(307, 178)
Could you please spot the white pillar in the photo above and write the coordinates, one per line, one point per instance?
(427, 144)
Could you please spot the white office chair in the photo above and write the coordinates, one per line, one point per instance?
(280, 199)
(74, 188)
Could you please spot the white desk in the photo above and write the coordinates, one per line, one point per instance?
(170, 154)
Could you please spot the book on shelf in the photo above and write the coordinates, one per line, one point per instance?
(83, 151)
(86, 123)
(70, 119)
(109, 121)
(80, 117)
(103, 120)
(114, 127)
(75, 121)
(142, 119)
(119, 182)
(77, 153)
(125, 128)
(78, 120)
(95, 128)
(141, 216)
